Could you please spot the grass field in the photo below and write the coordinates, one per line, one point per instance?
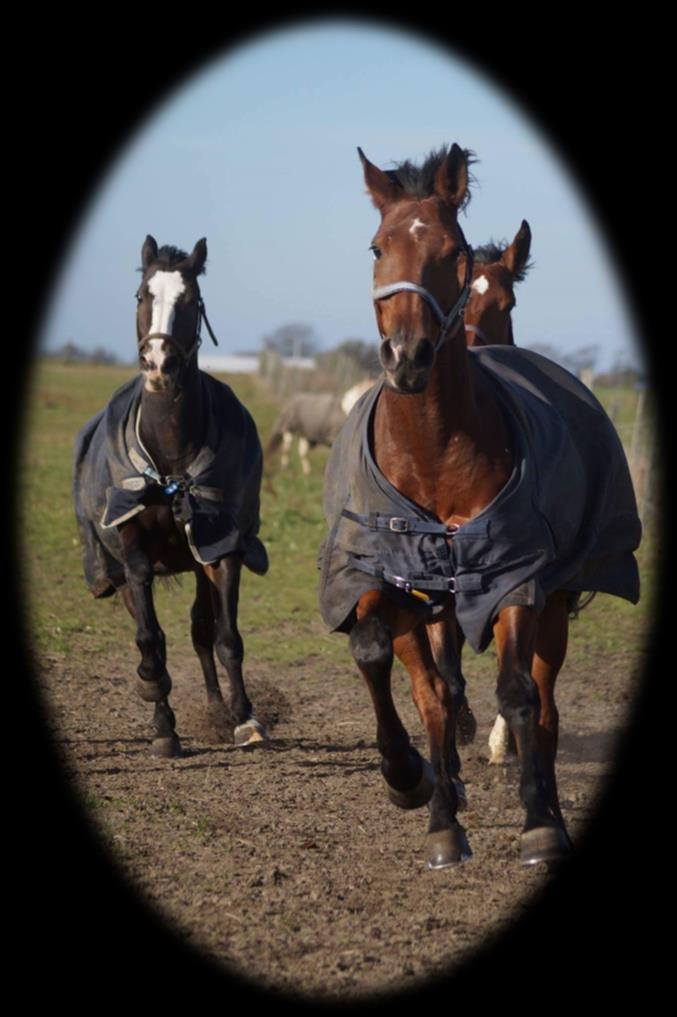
(279, 617)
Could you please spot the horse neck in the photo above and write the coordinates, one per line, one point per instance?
(510, 341)
(445, 448)
(172, 424)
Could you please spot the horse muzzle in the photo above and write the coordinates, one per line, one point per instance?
(407, 365)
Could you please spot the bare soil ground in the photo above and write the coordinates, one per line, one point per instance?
(288, 864)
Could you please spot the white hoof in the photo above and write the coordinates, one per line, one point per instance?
(499, 740)
(250, 733)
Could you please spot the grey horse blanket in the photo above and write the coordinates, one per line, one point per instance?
(566, 519)
(217, 499)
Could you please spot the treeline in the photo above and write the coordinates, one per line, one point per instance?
(70, 353)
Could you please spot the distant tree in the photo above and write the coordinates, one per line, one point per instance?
(293, 340)
(102, 356)
(70, 352)
(363, 354)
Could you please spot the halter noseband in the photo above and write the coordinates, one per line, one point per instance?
(185, 355)
(445, 320)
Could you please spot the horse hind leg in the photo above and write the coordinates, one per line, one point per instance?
(203, 634)
(225, 579)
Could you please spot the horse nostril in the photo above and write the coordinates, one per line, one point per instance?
(389, 354)
(425, 353)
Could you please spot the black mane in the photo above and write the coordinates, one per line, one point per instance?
(168, 256)
(490, 252)
(419, 181)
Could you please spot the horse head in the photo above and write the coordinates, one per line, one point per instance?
(422, 263)
(492, 296)
(169, 309)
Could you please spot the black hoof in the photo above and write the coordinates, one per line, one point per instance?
(417, 796)
(447, 847)
(466, 725)
(544, 844)
(166, 748)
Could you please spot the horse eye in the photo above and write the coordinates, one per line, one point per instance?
(376, 251)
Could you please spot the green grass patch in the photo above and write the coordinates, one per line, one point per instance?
(279, 615)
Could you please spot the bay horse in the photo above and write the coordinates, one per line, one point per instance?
(167, 480)
(488, 321)
(496, 269)
(455, 493)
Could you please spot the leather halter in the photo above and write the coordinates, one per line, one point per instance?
(445, 320)
(185, 355)
(476, 330)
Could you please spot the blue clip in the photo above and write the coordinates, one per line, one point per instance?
(171, 488)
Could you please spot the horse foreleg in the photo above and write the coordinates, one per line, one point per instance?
(446, 841)
(225, 579)
(287, 439)
(409, 778)
(154, 683)
(304, 448)
(544, 837)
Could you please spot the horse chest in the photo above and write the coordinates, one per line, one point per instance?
(164, 539)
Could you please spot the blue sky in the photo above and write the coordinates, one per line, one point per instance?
(257, 152)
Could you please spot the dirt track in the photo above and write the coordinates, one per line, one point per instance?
(288, 864)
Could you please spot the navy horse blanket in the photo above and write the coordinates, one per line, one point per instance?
(216, 500)
(566, 519)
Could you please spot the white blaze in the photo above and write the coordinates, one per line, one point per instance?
(166, 288)
(481, 284)
(416, 225)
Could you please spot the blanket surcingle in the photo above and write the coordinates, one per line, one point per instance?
(114, 477)
(566, 519)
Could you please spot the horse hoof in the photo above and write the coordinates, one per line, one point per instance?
(461, 798)
(466, 725)
(166, 748)
(544, 844)
(250, 733)
(447, 847)
(418, 795)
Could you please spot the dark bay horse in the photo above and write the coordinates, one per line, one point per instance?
(167, 480)
(496, 269)
(485, 486)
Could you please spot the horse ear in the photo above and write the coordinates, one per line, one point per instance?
(516, 256)
(451, 179)
(198, 256)
(148, 251)
(384, 190)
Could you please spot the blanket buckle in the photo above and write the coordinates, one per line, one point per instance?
(398, 524)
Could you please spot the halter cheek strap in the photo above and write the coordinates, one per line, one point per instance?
(476, 330)
(446, 321)
(184, 354)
